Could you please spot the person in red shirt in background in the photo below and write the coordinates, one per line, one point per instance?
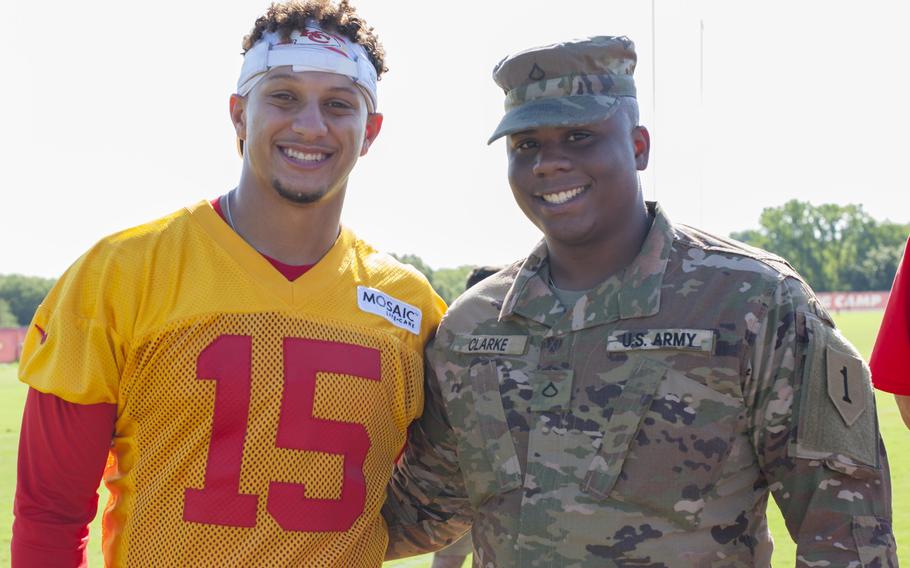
(890, 361)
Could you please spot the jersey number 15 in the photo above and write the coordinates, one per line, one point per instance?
(228, 362)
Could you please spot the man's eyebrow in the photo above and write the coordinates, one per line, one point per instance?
(349, 90)
(278, 76)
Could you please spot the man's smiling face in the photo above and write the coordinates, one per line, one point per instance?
(579, 184)
(303, 132)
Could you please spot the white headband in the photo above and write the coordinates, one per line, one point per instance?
(314, 49)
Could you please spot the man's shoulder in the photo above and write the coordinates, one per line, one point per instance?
(747, 272)
(701, 250)
(140, 237)
(106, 284)
(381, 277)
(132, 248)
(480, 305)
(377, 268)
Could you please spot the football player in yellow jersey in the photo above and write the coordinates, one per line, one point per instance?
(241, 373)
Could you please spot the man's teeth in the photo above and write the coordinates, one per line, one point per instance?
(562, 196)
(304, 157)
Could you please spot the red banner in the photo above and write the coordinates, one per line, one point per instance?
(853, 301)
(11, 339)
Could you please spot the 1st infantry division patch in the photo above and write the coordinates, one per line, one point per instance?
(847, 384)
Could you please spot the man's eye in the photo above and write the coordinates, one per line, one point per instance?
(282, 96)
(526, 145)
(339, 104)
(578, 136)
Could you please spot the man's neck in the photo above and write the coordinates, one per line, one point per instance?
(288, 232)
(582, 267)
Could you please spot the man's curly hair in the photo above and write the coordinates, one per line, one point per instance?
(286, 17)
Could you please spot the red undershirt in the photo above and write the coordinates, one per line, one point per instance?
(63, 449)
(289, 271)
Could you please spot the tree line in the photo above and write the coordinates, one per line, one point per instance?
(834, 247)
(448, 282)
(20, 297)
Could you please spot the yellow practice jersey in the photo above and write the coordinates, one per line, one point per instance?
(258, 420)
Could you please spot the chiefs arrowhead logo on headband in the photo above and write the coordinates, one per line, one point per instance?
(312, 49)
(317, 38)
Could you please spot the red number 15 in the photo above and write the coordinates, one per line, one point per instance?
(228, 362)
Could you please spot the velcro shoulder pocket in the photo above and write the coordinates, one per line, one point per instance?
(837, 421)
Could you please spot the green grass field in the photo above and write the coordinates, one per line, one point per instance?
(859, 327)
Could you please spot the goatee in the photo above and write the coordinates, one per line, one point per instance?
(298, 196)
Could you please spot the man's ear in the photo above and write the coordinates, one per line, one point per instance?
(238, 117)
(374, 125)
(641, 141)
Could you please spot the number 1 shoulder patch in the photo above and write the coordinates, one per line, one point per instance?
(836, 406)
(846, 384)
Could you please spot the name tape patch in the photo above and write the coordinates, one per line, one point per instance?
(499, 344)
(398, 313)
(667, 339)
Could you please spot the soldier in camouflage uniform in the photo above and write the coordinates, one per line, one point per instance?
(632, 392)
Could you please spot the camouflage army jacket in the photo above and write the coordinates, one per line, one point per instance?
(647, 424)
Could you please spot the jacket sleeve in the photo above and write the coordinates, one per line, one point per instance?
(63, 449)
(815, 433)
(426, 506)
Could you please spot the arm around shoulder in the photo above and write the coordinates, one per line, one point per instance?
(426, 503)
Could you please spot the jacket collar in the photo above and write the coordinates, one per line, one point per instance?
(633, 293)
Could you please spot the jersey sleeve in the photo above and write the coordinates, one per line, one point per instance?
(72, 349)
(814, 430)
(63, 449)
(426, 506)
(890, 361)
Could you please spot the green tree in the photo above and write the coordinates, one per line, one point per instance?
(835, 247)
(23, 294)
(875, 271)
(7, 319)
(448, 282)
(417, 263)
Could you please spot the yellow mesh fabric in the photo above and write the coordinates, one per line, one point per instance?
(175, 410)
(162, 295)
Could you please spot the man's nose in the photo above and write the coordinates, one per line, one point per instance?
(309, 121)
(550, 161)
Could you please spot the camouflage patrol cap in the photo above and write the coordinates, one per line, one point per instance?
(565, 84)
